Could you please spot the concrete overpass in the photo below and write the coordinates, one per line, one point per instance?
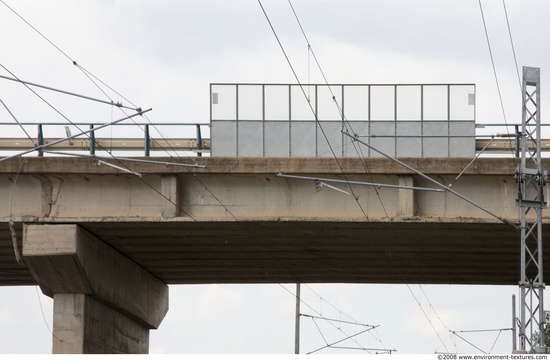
(237, 222)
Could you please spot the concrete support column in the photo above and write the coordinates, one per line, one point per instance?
(169, 189)
(103, 301)
(406, 197)
(83, 325)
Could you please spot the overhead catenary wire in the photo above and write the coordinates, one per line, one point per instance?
(306, 97)
(309, 102)
(377, 185)
(43, 315)
(320, 314)
(89, 75)
(195, 175)
(139, 112)
(310, 49)
(471, 162)
(493, 64)
(470, 343)
(17, 121)
(341, 340)
(359, 150)
(378, 337)
(445, 187)
(85, 132)
(326, 138)
(512, 43)
(117, 104)
(456, 332)
(144, 161)
(341, 112)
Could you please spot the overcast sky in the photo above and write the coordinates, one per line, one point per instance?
(164, 55)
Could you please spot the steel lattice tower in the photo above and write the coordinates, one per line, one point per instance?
(531, 179)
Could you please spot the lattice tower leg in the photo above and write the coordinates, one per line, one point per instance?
(531, 179)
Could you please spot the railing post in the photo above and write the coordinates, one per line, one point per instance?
(40, 140)
(147, 140)
(92, 140)
(199, 140)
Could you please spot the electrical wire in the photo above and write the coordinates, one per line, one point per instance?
(87, 73)
(309, 103)
(347, 124)
(512, 44)
(17, 121)
(493, 64)
(379, 339)
(330, 321)
(42, 312)
(90, 76)
(334, 98)
(341, 111)
(85, 132)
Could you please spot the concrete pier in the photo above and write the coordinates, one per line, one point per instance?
(103, 301)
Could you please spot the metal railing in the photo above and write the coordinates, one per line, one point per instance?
(139, 139)
(503, 142)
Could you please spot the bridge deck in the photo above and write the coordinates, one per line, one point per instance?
(181, 250)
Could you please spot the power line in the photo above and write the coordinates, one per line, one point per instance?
(493, 64)
(344, 123)
(347, 124)
(17, 121)
(512, 43)
(342, 313)
(331, 321)
(89, 75)
(37, 31)
(85, 132)
(310, 106)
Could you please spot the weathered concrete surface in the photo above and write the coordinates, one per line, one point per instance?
(91, 284)
(237, 222)
(66, 259)
(82, 325)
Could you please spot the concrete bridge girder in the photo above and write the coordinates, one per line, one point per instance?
(247, 197)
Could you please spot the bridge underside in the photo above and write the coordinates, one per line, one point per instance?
(187, 252)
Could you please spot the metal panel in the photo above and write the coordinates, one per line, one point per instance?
(331, 131)
(225, 107)
(302, 138)
(384, 144)
(356, 149)
(409, 146)
(250, 138)
(462, 146)
(388, 117)
(277, 139)
(433, 145)
(225, 133)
